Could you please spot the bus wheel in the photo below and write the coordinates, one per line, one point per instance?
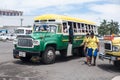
(48, 56)
(63, 53)
(116, 63)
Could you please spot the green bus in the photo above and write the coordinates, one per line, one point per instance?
(51, 33)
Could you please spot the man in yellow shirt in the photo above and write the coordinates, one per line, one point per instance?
(93, 48)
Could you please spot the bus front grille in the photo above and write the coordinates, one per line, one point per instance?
(27, 43)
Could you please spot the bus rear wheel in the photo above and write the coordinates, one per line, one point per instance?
(48, 56)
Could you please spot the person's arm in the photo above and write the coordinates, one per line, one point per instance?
(83, 43)
(97, 44)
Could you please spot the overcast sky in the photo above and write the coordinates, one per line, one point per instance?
(94, 10)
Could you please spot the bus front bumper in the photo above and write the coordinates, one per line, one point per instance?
(103, 56)
(18, 53)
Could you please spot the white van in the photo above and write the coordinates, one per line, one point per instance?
(23, 30)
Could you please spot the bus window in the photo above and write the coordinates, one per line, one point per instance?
(65, 30)
(52, 28)
(83, 29)
(75, 27)
(86, 28)
(41, 28)
(79, 28)
(70, 24)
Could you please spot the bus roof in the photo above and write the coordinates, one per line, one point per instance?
(60, 17)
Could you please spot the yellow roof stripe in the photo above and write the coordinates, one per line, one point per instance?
(60, 17)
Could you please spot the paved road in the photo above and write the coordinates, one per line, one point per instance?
(72, 68)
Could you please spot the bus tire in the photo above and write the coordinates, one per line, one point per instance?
(48, 56)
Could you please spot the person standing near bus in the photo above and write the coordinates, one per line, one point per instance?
(71, 36)
(86, 45)
(93, 48)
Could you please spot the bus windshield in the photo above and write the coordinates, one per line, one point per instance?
(42, 28)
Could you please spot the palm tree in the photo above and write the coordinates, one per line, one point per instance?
(103, 27)
(108, 28)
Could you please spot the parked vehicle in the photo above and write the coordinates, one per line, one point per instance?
(7, 36)
(49, 36)
(23, 30)
(112, 49)
(3, 31)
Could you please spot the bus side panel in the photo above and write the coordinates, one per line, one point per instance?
(78, 39)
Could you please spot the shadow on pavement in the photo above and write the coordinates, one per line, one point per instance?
(58, 60)
(109, 67)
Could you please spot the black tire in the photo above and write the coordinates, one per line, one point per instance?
(116, 63)
(63, 53)
(48, 56)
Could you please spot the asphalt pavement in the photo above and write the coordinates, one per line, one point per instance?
(71, 68)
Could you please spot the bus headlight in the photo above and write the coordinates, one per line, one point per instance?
(115, 48)
(15, 41)
(36, 42)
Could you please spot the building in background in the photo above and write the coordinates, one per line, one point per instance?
(11, 19)
(10, 13)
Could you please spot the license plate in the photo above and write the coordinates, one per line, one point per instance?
(113, 58)
(22, 54)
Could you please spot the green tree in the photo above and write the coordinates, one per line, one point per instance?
(113, 27)
(108, 27)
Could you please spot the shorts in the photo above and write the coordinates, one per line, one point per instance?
(92, 52)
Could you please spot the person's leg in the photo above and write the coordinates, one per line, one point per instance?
(95, 56)
(89, 56)
(86, 55)
(94, 64)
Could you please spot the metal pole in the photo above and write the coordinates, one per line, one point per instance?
(21, 21)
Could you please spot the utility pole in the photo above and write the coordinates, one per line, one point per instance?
(21, 20)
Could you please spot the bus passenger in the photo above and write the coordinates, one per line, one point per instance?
(71, 36)
(65, 30)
